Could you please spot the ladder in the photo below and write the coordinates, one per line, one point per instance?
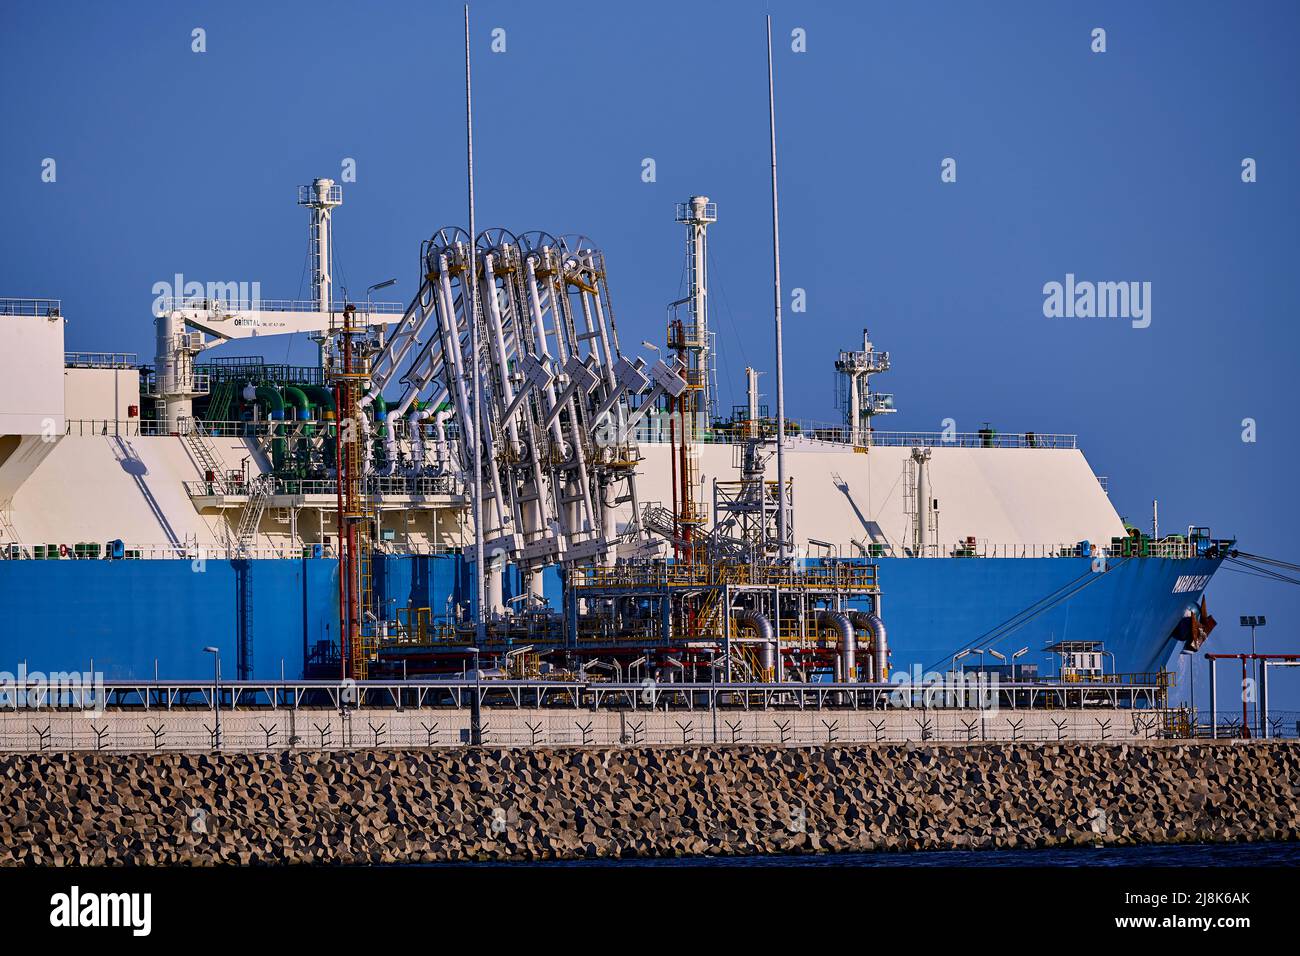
(366, 643)
(244, 642)
(259, 491)
(204, 454)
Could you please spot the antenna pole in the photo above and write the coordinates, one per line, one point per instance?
(781, 516)
(480, 624)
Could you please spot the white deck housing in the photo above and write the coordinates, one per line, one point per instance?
(1017, 501)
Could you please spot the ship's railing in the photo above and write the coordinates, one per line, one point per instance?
(153, 427)
(837, 576)
(655, 430)
(164, 551)
(101, 359)
(1178, 549)
(982, 548)
(112, 427)
(46, 307)
(1142, 678)
(974, 439)
(645, 433)
(238, 429)
(273, 305)
(376, 485)
(81, 551)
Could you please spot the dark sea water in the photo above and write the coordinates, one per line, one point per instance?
(1183, 855)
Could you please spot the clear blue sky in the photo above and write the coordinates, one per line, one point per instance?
(1124, 165)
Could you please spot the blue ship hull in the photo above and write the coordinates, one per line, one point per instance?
(133, 616)
(938, 606)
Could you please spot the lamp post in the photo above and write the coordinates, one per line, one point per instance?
(1020, 653)
(958, 686)
(216, 690)
(1000, 656)
(375, 288)
(475, 715)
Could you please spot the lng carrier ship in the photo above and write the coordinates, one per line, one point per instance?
(319, 520)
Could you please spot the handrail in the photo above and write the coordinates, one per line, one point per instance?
(216, 551)
(654, 430)
(645, 433)
(650, 575)
(983, 548)
(155, 428)
(101, 359)
(179, 304)
(383, 486)
(24, 306)
(92, 691)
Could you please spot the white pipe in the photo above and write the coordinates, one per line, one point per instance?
(363, 423)
(480, 629)
(445, 460)
(782, 518)
(413, 419)
(922, 507)
(496, 585)
(601, 328)
(451, 336)
(539, 329)
(855, 411)
(489, 298)
(390, 449)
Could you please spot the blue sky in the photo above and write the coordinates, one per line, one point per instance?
(1118, 166)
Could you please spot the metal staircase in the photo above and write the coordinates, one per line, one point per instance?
(745, 666)
(8, 533)
(205, 455)
(258, 493)
(659, 520)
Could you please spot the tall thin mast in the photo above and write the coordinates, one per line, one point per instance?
(480, 624)
(781, 517)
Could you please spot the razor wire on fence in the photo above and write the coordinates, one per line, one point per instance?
(281, 731)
